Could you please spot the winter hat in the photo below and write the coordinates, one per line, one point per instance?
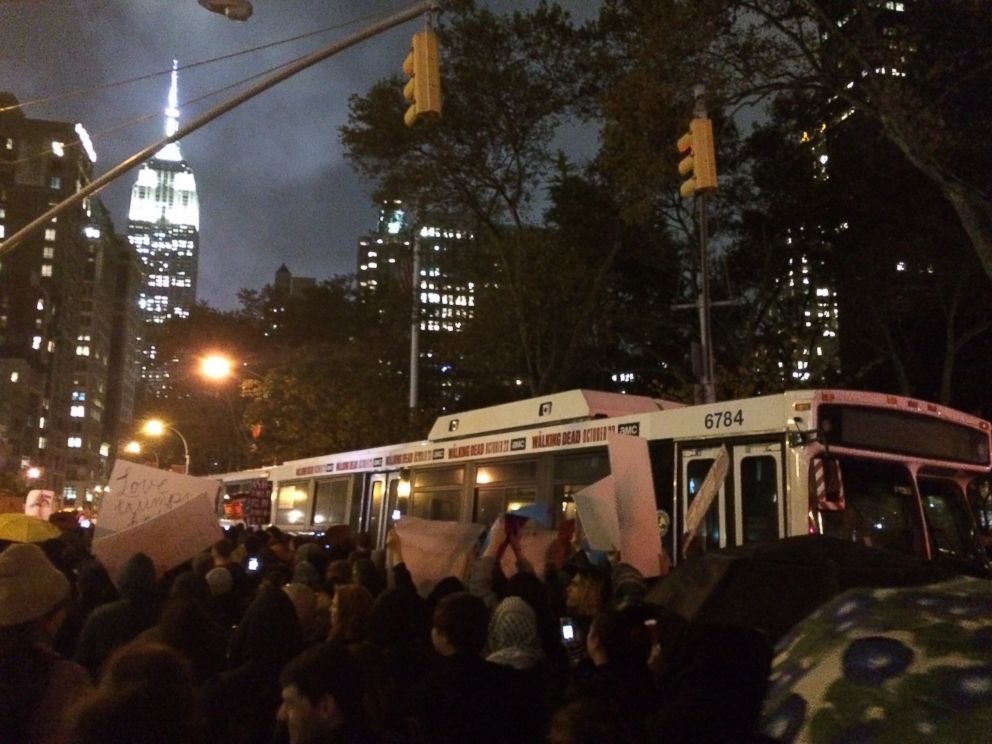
(629, 587)
(30, 586)
(220, 581)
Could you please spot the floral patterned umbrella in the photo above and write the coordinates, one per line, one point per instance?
(888, 665)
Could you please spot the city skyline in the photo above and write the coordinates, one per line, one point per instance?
(272, 178)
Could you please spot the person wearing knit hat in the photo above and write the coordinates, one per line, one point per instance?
(36, 685)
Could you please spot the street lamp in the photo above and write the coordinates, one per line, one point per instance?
(157, 427)
(134, 448)
(216, 367)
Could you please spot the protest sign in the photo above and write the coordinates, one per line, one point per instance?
(139, 493)
(534, 543)
(597, 508)
(630, 466)
(700, 504)
(169, 539)
(433, 550)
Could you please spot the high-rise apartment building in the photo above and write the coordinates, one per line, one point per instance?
(61, 307)
(164, 228)
(387, 261)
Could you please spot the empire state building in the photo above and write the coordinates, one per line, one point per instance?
(163, 226)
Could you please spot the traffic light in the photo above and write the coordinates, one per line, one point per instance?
(423, 90)
(699, 162)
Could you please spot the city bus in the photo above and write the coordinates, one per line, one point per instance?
(888, 471)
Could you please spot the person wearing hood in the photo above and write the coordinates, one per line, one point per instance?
(37, 686)
(112, 625)
(513, 643)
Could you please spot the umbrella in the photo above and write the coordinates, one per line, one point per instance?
(888, 665)
(23, 528)
(771, 586)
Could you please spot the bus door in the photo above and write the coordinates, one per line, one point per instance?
(381, 500)
(694, 465)
(759, 492)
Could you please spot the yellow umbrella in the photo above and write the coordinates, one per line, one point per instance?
(26, 529)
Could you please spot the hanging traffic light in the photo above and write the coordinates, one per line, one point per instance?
(699, 162)
(423, 90)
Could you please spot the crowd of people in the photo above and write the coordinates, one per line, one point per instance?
(271, 638)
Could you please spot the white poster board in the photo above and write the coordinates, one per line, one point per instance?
(534, 545)
(433, 550)
(597, 508)
(704, 498)
(637, 512)
(168, 516)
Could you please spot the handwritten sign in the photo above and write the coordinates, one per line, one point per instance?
(637, 511)
(168, 539)
(597, 507)
(433, 550)
(534, 545)
(139, 494)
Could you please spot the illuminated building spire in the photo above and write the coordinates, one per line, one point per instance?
(171, 150)
(172, 110)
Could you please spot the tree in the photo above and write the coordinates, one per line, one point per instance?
(918, 71)
(510, 83)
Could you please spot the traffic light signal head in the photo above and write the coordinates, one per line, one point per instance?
(699, 163)
(423, 90)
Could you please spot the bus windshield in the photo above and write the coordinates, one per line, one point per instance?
(880, 508)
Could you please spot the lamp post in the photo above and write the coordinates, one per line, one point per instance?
(156, 427)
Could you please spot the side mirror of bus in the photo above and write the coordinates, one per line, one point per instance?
(829, 484)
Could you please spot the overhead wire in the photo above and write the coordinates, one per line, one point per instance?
(103, 133)
(108, 86)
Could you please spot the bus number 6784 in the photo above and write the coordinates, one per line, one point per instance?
(724, 419)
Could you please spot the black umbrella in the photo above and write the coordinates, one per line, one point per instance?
(771, 586)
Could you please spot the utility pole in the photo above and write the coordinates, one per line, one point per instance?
(414, 329)
(700, 162)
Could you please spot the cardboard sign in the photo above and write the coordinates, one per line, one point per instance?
(597, 508)
(433, 550)
(701, 502)
(39, 503)
(139, 494)
(630, 466)
(168, 539)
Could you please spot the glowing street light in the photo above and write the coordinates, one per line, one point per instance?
(157, 427)
(216, 367)
(134, 448)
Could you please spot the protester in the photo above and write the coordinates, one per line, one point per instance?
(145, 697)
(240, 704)
(349, 613)
(112, 625)
(36, 685)
(321, 698)
(93, 588)
(464, 698)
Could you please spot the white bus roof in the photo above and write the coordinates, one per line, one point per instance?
(547, 410)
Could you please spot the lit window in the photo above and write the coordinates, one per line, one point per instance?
(74, 442)
(48, 251)
(42, 442)
(77, 411)
(58, 148)
(36, 342)
(15, 376)
(82, 350)
(49, 233)
(46, 269)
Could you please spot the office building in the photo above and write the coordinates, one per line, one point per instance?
(164, 228)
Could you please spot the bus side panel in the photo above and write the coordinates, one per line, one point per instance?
(662, 455)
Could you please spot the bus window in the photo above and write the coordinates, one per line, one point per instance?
(947, 517)
(490, 503)
(695, 474)
(980, 498)
(437, 493)
(879, 507)
(759, 498)
(291, 501)
(331, 502)
(443, 507)
(572, 473)
(375, 508)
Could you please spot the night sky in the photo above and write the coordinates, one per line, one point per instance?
(273, 184)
